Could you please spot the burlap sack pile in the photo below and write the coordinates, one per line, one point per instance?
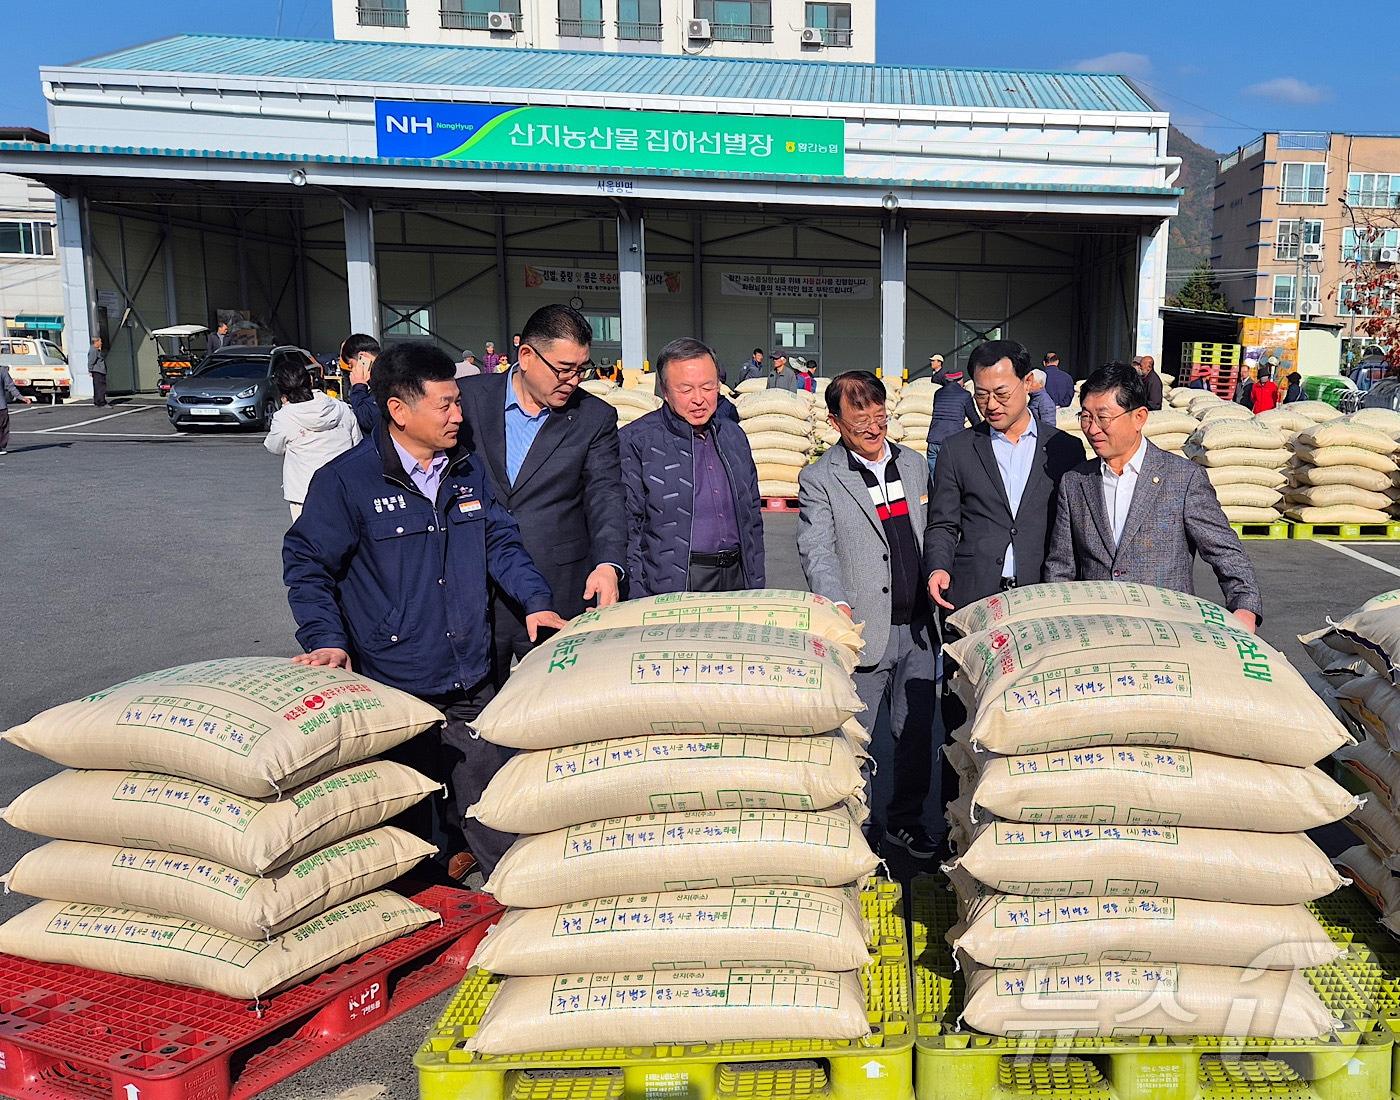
(1244, 461)
(1168, 429)
(689, 796)
(1342, 471)
(631, 404)
(1137, 787)
(253, 859)
(781, 427)
(911, 406)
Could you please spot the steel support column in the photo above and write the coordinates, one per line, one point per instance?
(632, 284)
(79, 287)
(362, 275)
(894, 282)
(1151, 290)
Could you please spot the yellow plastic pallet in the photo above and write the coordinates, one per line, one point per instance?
(1248, 531)
(954, 1064)
(1347, 532)
(879, 1067)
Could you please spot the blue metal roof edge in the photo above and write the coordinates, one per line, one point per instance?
(600, 170)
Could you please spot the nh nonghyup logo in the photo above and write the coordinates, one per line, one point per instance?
(408, 124)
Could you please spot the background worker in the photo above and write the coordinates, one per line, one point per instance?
(860, 538)
(1058, 383)
(953, 409)
(694, 519)
(1042, 407)
(358, 351)
(782, 376)
(1147, 367)
(387, 571)
(1138, 514)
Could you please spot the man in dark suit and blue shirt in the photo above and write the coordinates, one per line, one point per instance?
(387, 571)
(1136, 513)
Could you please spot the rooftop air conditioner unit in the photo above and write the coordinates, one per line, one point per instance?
(501, 21)
(1390, 256)
(1312, 308)
(812, 36)
(1312, 251)
(697, 30)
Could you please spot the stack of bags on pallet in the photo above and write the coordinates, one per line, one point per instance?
(1141, 784)
(1342, 472)
(1245, 462)
(911, 410)
(1359, 657)
(1166, 428)
(223, 827)
(781, 429)
(689, 793)
(631, 404)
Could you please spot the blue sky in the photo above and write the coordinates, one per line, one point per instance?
(1225, 70)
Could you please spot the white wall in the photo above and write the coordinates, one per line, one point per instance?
(28, 284)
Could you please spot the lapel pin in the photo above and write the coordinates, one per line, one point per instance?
(1156, 481)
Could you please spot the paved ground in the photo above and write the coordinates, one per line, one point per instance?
(128, 548)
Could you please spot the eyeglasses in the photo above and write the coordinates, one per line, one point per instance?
(1102, 422)
(868, 424)
(564, 374)
(1000, 397)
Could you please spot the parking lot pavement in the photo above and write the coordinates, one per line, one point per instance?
(130, 549)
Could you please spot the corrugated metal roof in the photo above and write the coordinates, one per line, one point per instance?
(625, 74)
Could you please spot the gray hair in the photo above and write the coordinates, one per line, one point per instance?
(1038, 375)
(679, 351)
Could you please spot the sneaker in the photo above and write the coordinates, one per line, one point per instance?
(4, 452)
(913, 840)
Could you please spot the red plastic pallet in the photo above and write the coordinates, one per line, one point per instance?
(780, 504)
(67, 1033)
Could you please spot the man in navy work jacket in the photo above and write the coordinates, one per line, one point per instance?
(693, 518)
(388, 566)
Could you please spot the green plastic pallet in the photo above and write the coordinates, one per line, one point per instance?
(879, 1067)
(1247, 531)
(1354, 1064)
(1347, 532)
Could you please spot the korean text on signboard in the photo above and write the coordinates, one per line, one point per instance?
(611, 141)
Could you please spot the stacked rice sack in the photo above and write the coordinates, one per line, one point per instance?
(911, 412)
(631, 404)
(1342, 471)
(689, 795)
(781, 427)
(1140, 782)
(1244, 460)
(1166, 428)
(222, 827)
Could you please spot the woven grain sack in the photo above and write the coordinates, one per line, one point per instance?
(801, 427)
(569, 1011)
(1225, 411)
(1207, 864)
(1120, 999)
(1379, 885)
(748, 926)
(1168, 422)
(1337, 455)
(1038, 601)
(752, 385)
(1342, 433)
(1319, 412)
(779, 490)
(1370, 698)
(772, 471)
(1068, 681)
(143, 810)
(1360, 476)
(1199, 403)
(1175, 443)
(143, 945)
(1377, 767)
(1247, 496)
(774, 402)
(1373, 631)
(1015, 933)
(1284, 419)
(780, 457)
(1376, 825)
(1337, 513)
(786, 608)
(1237, 513)
(962, 761)
(1181, 398)
(651, 853)
(256, 726)
(551, 789)
(1385, 420)
(248, 906)
(1127, 785)
(1219, 434)
(1238, 456)
(778, 441)
(632, 399)
(1332, 496)
(702, 678)
(1269, 478)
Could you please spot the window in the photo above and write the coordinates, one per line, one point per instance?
(1292, 232)
(581, 18)
(800, 335)
(1285, 298)
(474, 15)
(1373, 189)
(639, 20)
(383, 13)
(833, 20)
(407, 320)
(26, 239)
(737, 20)
(1304, 183)
(1365, 247)
(1381, 299)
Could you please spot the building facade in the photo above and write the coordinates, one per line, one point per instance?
(865, 216)
(772, 29)
(31, 283)
(1296, 214)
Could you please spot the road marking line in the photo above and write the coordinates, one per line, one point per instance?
(144, 435)
(98, 419)
(1349, 552)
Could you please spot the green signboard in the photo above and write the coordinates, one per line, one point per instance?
(612, 141)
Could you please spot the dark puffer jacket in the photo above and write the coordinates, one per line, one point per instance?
(658, 476)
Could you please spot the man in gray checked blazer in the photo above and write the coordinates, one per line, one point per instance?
(860, 538)
(1136, 513)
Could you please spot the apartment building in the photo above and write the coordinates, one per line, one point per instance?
(31, 282)
(1293, 214)
(771, 29)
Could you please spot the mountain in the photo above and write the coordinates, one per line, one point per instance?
(1189, 242)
